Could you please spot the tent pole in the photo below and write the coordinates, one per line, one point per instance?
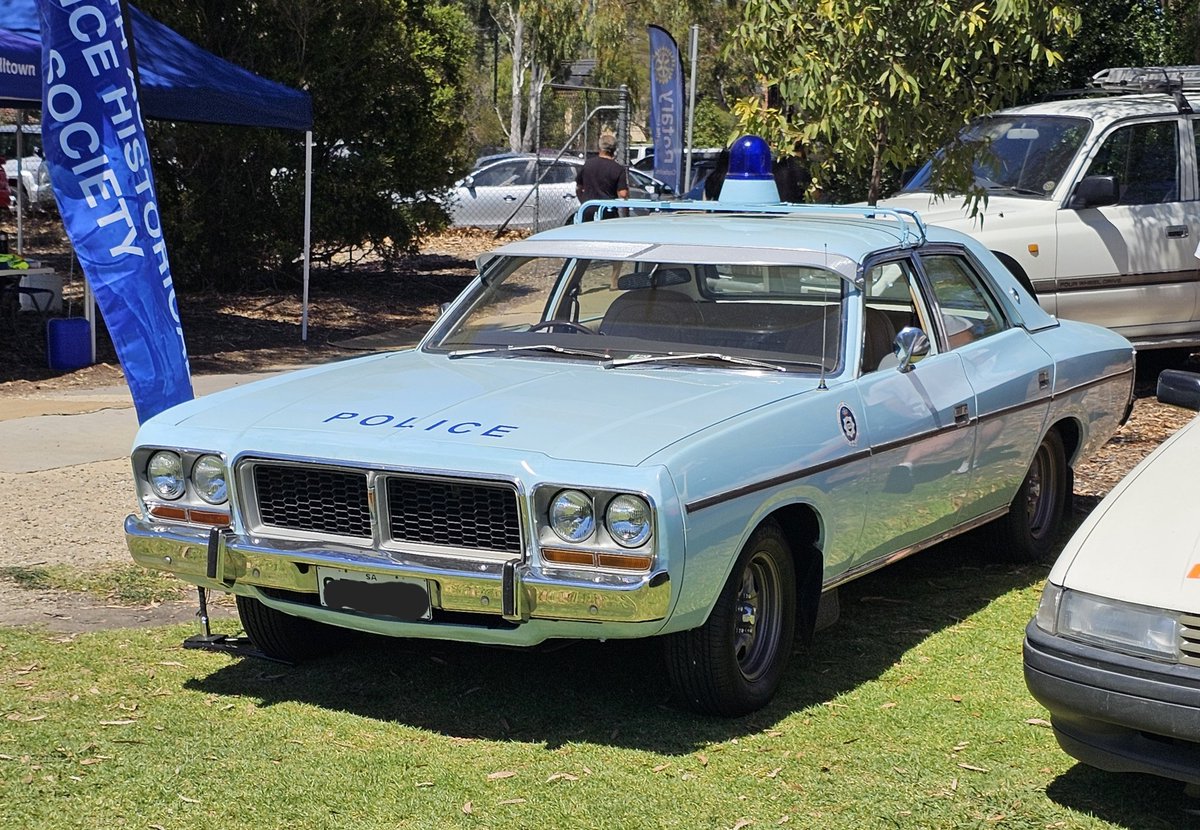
(20, 212)
(308, 150)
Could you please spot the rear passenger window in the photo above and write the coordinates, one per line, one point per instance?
(1145, 160)
(969, 312)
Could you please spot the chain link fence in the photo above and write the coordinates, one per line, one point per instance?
(534, 192)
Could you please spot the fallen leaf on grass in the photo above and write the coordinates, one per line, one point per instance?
(424, 783)
(974, 769)
(124, 722)
(1038, 722)
(960, 746)
(17, 716)
(189, 800)
(702, 758)
(468, 808)
(171, 663)
(891, 704)
(504, 773)
(742, 822)
(565, 776)
(660, 767)
(956, 698)
(775, 772)
(512, 801)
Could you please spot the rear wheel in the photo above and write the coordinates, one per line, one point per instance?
(1029, 531)
(733, 663)
(283, 636)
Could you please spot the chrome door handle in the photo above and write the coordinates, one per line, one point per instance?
(962, 414)
(1177, 231)
(510, 198)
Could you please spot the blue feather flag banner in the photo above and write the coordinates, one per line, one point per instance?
(666, 107)
(95, 146)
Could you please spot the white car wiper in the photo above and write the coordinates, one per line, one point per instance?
(663, 358)
(543, 347)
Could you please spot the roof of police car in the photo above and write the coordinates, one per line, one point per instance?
(844, 234)
(1102, 107)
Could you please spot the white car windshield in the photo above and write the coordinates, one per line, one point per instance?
(1021, 155)
(787, 315)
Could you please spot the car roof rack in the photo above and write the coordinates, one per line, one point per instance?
(1132, 80)
(910, 228)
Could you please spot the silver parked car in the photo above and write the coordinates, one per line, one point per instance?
(529, 192)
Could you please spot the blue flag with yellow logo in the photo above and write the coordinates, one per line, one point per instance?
(95, 146)
(666, 107)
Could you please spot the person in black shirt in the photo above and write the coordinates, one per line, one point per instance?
(793, 176)
(601, 177)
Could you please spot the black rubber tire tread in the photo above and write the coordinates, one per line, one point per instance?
(701, 662)
(1016, 540)
(283, 636)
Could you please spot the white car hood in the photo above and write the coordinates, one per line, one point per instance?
(390, 404)
(1142, 543)
(950, 211)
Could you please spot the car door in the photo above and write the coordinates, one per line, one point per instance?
(919, 424)
(1010, 375)
(556, 202)
(1132, 264)
(491, 196)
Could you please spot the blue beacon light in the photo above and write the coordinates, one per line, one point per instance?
(750, 180)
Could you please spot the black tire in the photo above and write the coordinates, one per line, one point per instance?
(282, 636)
(1029, 531)
(733, 663)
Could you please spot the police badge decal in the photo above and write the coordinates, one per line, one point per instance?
(848, 424)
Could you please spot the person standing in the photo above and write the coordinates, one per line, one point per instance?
(602, 177)
(793, 176)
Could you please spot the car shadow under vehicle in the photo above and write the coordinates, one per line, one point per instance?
(1138, 802)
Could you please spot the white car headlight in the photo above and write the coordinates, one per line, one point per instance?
(572, 516)
(628, 520)
(164, 471)
(1120, 626)
(208, 478)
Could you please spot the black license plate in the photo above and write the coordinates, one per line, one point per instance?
(378, 596)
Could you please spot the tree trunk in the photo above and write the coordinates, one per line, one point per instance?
(877, 165)
(518, 74)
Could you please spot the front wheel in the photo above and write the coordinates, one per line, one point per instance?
(1029, 531)
(282, 636)
(733, 663)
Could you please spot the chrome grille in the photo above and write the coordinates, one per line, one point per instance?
(461, 514)
(1189, 640)
(314, 499)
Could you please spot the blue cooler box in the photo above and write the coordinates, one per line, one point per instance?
(68, 343)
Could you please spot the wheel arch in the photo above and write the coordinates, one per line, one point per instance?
(1071, 433)
(804, 530)
(1016, 270)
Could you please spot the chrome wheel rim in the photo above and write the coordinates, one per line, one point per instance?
(758, 623)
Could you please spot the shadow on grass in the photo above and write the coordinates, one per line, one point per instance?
(1139, 802)
(617, 693)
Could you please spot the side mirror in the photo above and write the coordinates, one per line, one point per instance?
(1095, 191)
(910, 346)
(443, 308)
(1179, 388)
(468, 182)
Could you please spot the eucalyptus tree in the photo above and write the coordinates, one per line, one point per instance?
(883, 83)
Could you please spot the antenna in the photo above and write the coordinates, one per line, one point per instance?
(825, 326)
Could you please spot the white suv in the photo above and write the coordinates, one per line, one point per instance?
(1093, 202)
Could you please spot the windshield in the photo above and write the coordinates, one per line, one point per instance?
(601, 309)
(1024, 155)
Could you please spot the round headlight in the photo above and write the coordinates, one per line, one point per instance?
(628, 520)
(208, 477)
(165, 473)
(571, 516)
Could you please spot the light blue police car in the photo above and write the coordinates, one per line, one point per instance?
(689, 425)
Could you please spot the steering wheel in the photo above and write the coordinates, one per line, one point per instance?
(566, 324)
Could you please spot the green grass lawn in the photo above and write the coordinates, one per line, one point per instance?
(911, 712)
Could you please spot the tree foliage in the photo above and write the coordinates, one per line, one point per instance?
(883, 83)
(387, 84)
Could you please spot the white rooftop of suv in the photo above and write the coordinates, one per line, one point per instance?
(1093, 202)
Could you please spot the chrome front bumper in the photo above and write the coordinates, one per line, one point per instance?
(513, 591)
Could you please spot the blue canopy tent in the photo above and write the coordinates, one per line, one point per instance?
(177, 81)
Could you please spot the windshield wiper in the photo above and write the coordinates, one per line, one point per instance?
(533, 347)
(1020, 191)
(663, 358)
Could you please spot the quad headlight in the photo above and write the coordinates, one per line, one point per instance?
(208, 478)
(1121, 626)
(164, 472)
(572, 516)
(628, 520)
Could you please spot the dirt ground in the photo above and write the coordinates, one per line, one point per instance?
(74, 515)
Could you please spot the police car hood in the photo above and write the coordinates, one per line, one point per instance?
(1142, 542)
(397, 403)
